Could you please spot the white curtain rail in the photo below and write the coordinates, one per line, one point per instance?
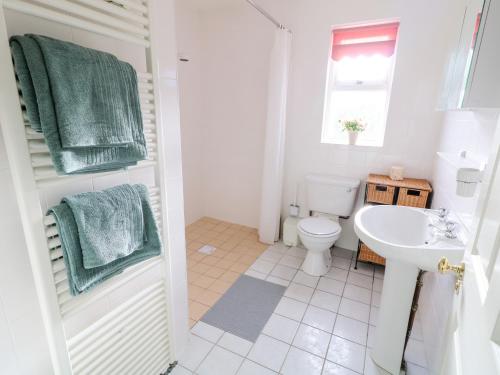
(60, 17)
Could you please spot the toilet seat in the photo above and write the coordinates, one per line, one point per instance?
(319, 227)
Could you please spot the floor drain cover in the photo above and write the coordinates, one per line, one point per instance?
(207, 249)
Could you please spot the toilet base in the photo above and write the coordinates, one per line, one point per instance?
(317, 263)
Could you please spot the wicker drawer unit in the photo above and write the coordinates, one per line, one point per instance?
(412, 197)
(378, 193)
(367, 255)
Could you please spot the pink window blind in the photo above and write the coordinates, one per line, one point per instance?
(365, 40)
(476, 30)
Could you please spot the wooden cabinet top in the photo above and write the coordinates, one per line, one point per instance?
(409, 183)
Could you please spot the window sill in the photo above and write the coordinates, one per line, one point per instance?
(361, 145)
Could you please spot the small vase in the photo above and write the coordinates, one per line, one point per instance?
(353, 137)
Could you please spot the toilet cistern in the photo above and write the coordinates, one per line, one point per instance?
(328, 198)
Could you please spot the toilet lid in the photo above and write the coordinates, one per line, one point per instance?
(319, 226)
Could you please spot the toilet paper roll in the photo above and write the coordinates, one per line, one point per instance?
(467, 181)
(466, 189)
(294, 210)
(468, 175)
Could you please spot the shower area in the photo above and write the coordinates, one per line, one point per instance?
(233, 75)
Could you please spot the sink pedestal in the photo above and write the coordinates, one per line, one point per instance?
(395, 305)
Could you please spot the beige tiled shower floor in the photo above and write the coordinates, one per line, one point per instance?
(209, 276)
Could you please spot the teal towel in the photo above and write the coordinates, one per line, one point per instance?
(81, 279)
(95, 95)
(110, 224)
(37, 92)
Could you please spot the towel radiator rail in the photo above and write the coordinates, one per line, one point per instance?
(107, 20)
(92, 351)
(31, 170)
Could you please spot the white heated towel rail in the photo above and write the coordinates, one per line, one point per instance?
(133, 337)
(138, 327)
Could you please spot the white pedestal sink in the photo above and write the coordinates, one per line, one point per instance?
(403, 236)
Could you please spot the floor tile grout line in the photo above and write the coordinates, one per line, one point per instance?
(284, 342)
(214, 345)
(334, 312)
(210, 235)
(331, 335)
(329, 343)
(338, 364)
(319, 329)
(222, 347)
(341, 296)
(336, 320)
(302, 322)
(293, 280)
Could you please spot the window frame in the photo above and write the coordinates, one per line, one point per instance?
(333, 85)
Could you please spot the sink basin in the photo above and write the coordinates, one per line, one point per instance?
(403, 236)
(403, 233)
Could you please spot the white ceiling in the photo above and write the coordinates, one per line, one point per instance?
(210, 4)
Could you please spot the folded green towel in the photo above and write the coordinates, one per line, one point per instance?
(81, 279)
(37, 87)
(110, 224)
(95, 94)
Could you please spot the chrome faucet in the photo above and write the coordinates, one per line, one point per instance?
(448, 230)
(442, 213)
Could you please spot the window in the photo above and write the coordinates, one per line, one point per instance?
(359, 82)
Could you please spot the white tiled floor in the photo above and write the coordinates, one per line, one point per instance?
(321, 326)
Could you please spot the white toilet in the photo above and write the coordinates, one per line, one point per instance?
(328, 199)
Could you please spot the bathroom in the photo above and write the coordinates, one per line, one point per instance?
(246, 138)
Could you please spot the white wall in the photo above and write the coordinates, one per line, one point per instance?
(188, 38)
(223, 113)
(462, 131)
(23, 344)
(235, 54)
(412, 124)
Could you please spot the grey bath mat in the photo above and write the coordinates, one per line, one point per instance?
(245, 308)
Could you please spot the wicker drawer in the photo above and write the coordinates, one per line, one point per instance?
(380, 194)
(412, 197)
(367, 255)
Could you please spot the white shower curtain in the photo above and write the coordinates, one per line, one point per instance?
(274, 154)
